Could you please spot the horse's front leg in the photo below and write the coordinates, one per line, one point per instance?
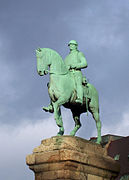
(57, 115)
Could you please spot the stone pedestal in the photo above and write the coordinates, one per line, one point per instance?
(67, 157)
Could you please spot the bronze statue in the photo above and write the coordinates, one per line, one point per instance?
(63, 84)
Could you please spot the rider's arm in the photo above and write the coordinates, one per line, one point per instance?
(83, 62)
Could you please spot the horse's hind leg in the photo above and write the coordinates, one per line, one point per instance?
(57, 115)
(76, 117)
(95, 114)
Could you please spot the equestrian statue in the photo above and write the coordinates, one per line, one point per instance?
(68, 87)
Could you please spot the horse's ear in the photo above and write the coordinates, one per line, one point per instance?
(39, 49)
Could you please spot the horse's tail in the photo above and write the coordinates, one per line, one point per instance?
(86, 105)
(91, 95)
(94, 97)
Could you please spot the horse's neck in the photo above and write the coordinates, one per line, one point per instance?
(57, 65)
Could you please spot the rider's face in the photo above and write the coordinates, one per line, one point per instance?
(72, 46)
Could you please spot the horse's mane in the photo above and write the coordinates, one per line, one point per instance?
(51, 53)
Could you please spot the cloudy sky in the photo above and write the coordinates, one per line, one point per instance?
(102, 31)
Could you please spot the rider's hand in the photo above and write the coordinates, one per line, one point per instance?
(73, 66)
(69, 67)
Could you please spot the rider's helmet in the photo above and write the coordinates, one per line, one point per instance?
(73, 42)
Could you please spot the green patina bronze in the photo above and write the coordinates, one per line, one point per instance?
(125, 177)
(68, 87)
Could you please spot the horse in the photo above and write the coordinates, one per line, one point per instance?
(62, 91)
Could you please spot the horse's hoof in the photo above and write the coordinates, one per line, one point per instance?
(98, 142)
(48, 109)
(45, 109)
(60, 133)
(72, 133)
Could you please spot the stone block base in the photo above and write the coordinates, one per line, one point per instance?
(67, 157)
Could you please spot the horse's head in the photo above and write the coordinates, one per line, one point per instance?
(42, 62)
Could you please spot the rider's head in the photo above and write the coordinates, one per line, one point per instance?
(73, 44)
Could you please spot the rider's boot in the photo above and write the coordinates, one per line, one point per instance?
(79, 94)
(49, 108)
(79, 100)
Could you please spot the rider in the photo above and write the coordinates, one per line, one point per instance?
(75, 61)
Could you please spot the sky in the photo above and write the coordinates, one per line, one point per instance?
(101, 29)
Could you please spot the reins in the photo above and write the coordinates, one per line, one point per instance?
(50, 72)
